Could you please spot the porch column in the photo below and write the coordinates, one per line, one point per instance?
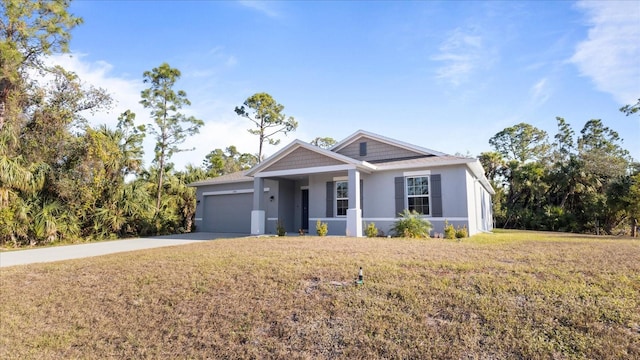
(258, 213)
(354, 213)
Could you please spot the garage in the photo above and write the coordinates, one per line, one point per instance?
(227, 213)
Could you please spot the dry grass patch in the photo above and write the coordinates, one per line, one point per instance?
(506, 295)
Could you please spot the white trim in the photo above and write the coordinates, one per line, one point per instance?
(305, 171)
(272, 219)
(343, 218)
(296, 144)
(340, 178)
(383, 139)
(305, 187)
(416, 173)
(231, 192)
(430, 218)
(197, 219)
(407, 196)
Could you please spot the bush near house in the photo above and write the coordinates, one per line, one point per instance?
(322, 228)
(411, 225)
(371, 230)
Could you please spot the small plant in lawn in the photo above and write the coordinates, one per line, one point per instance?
(411, 225)
(322, 228)
(280, 229)
(461, 232)
(371, 230)
(449, 231)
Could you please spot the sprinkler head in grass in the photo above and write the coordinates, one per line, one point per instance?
(360, 279)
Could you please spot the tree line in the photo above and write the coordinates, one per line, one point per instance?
(585, 182)
(65, 180)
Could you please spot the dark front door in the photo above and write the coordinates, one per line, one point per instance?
(305, 209)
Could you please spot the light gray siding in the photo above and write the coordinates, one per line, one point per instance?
(302, 158)
(376, 151)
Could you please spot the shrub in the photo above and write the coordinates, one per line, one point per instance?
(461, 232)
(411, 225)
(322, 228)
(371, 230)
(280, 230)
(449, 231)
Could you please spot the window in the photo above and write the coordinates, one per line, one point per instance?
(342, 198)
(418, 194)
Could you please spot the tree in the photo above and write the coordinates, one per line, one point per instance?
(521, 142)
(219, 162)
(266, 114)
(631, 109)
(29, 30)
(323, 142)
(171, 128)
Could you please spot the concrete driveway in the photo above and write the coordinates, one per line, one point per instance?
(66, 252)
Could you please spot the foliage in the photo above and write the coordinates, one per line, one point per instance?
(631, 109)
(170, 128)
(323, 142)
(569, 185)
(219, 162)
(521, 142)
(411, 225)
(322, 228)
(371, 230)
(280, 229)
(267, 116)
(449, 230)
(461, 232)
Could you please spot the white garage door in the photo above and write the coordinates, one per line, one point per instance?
(229, 213)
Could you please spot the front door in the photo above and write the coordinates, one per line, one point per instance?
(305, 209)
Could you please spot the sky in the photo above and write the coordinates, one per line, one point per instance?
(445, 76)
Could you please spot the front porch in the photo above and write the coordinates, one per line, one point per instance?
(302, 198)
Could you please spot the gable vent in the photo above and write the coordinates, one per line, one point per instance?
(363, 148)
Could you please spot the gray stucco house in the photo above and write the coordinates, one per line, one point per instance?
(363, 178)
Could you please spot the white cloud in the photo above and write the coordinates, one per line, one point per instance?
(540, 92)
(609, 55)
(461, 54)
(265, 7)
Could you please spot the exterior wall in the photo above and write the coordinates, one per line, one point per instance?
(376, 151)
(464, 201)
(302, 158)
(201, 216)
(317, 205)
(379, 198)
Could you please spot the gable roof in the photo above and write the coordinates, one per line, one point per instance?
(403, 145)
(425, 158)
(299, 144)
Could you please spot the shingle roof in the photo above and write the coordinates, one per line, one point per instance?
(239, 176)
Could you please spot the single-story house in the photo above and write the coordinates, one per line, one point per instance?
(365, 178)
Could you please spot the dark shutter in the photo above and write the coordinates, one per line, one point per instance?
(436, 196)
(399, 186)
(330, 201)
(361, 198)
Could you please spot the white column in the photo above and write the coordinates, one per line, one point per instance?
(258, 213)
(354, 213)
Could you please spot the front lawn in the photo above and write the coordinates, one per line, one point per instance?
(506, 295)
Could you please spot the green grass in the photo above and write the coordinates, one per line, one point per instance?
(507, 295)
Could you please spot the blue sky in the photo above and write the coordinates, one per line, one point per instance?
(441, 75)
